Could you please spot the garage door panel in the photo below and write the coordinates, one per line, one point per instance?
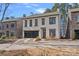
(31, 34)
(77, 34)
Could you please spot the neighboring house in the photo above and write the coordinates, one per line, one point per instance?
(42, 25)
(74, 23)
(11, 27)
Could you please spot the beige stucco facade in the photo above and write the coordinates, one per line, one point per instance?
(47, 26)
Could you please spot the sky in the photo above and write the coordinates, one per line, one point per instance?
(18, 9)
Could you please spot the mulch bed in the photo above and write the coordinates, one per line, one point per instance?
(6, 41)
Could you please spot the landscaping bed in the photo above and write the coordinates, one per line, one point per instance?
(41, 52)
(6, 41)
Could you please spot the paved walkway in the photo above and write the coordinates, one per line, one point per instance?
(23, 44)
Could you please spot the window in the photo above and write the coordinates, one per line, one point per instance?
(77, 18)
(0, 27)
(52, 32)
(25, 23)
(7, 33)
(3, 33)
(12, 25)
(36, 22)
(30, 23)
(52, 20)
(7, 26)
(0, 34)
(12, 33)
(3, 27)
(43, 21)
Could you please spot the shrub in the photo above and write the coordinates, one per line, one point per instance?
(50, 38)
(74, 36)
(2, 51)
(37, 38)
(12, 37)
(3, 37)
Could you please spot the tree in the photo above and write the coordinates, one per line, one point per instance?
(47, 10)
(63, 9)
(31, 13)
(76, 5)
(24, 15)
(6, 5)
(12, 17)
(7, 18)
(55, 7)
(3, 9)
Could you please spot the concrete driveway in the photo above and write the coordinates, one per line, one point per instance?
(23, 44)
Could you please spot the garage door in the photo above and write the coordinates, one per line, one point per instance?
(31, 34)
(77, 34)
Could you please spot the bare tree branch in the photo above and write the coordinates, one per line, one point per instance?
(4, 11)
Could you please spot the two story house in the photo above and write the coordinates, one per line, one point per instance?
(42, 25)
(11, 27)
(74, 23)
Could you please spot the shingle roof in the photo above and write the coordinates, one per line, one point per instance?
(44, 14)
(14, 19)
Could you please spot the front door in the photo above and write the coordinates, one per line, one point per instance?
(43, 32)
(7, 33)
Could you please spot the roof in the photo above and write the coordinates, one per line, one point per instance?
(74, 9)
(31, 16)
(10, 20)
(42, 15)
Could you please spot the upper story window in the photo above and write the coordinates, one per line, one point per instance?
(43, 21)
(7, 26)
(52, 20)
(0, 27)
(30, 24)
(12, 25)
(77, 18)
(36, 22)
(25, 23)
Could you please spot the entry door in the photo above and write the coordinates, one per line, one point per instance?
(7, 33)
(43, 32)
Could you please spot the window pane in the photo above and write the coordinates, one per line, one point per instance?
(25, 23)
(0, 27)
(12, 33)
(36, 22)
(7, 26)
(77, 18)
(12, 25)
(7, 33)
(30, 23)
(52, 20)
(43, 21)
(52, 32)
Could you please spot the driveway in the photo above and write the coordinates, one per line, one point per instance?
(25, 43)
